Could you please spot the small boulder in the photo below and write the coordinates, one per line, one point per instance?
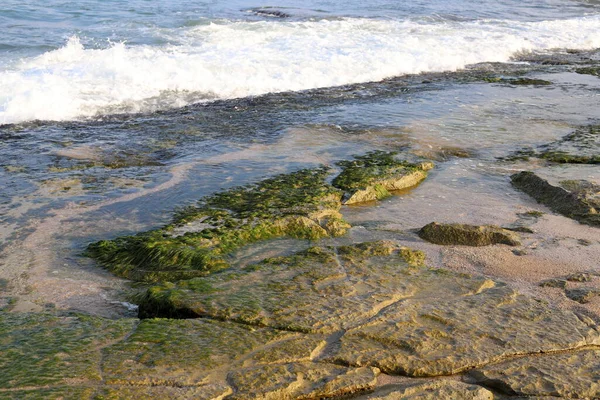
(467, 235)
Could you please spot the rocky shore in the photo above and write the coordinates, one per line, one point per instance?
(376, 319)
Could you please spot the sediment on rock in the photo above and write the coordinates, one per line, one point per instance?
(374, 175)
(299, 205)
(401, 318)
(467, 235)
(579, 204)
(432, 390)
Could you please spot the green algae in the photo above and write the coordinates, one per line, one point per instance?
(375, 175)
(595, 71)
(164, 352)
(298, 205)
(518, 81)
(44, 349)
(582, 146)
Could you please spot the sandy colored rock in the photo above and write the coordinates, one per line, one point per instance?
(432, 390)
(300, 381)
(467, 235)
(375, 175)
(566, 375)
(379, 310)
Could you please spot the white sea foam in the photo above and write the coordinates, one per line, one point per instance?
(228, 59)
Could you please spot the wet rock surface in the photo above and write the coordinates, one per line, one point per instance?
(299, 205)
(579, 200)
(567, 375)
(376, 174)
(467, 235)
(379, 311)
(433, 390)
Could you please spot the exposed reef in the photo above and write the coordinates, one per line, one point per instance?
(299, 205)
(374, 175)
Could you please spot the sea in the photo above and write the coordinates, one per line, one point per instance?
(114, 113)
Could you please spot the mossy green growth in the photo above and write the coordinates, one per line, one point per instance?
(595, 71)
(45, 349)
(299, 205)
(582, 146)
(375, 175)
(518, 81)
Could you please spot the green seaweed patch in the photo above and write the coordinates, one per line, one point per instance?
(298, 205)
(518, 81)
(595, 71)
(45, 349)
(375, 175)
(582, 146)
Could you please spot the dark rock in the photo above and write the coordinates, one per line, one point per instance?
(578, 206)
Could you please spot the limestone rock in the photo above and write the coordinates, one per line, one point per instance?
(467, 235)
(376, 174)
(300, 381)
(576, 205)
(566, 375)
(378, 310)
(432, 390)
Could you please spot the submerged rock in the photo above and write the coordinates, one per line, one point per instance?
(376, 174)
(580, 204)
(467, 235)
(574, 375)
(377, 310)
(582, 146)
(298, 205)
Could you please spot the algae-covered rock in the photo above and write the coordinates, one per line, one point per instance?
(518, 81)
(554, 283)
(577, 204)
(432, 390)
(299, 205)
(595, 71)
(467, 235)
(582, 146)
(317, 290)
(164, 352)
(379, 310)
(374, 175)
(573, 375)
(44, 349)
(582, 295)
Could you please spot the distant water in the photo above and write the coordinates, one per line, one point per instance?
(87, 59)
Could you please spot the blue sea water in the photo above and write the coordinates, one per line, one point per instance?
(86, 59)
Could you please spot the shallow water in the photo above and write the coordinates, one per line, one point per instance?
(104, 137)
